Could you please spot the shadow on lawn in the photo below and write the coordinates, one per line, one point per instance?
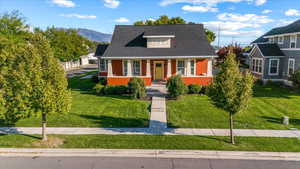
(273, 90)
(279, 120)
(108, 121)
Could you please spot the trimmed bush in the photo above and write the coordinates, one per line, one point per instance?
(103, 81)
(296, 79)
(175, 86)
(137, 88)
(115, 90)
(95, 78)
(194, 89)
(98, 89)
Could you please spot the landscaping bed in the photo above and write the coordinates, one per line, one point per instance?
(267, 107)
(153, 142)
(90, 110)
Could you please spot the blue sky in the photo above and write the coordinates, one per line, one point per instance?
(240, 21)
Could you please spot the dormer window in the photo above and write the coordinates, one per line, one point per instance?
(158, 41)
(280, 39)
(271, 40)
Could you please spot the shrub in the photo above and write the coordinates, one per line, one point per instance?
(194, 88)
(103, 81)
(98, 89)
(296, 79)
(95, 78)
(175, 86)
(115, 90)
(137, 88)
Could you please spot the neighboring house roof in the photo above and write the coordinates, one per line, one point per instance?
(291, 28)
(101, 49)
(270, 49)
(189, 40)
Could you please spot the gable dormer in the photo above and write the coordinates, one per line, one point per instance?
(158, 41)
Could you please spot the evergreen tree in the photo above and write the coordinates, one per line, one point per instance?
(231, 89)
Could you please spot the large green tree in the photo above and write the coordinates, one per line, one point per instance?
(175, 20)
(231, 89)
(32, 82)
(67, 44)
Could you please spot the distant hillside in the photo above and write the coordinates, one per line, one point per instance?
(94, 35)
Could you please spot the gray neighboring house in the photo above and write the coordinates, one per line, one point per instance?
(276, 54)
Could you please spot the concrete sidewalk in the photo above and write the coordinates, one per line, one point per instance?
(192, 154)
(152, 131)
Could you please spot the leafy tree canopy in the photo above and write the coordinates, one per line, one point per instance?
(174, 20)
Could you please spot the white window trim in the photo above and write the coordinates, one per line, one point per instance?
(291, 59)
(105, 65)
(184, 67)
(123, 67)
(282, 39)
(195, 65)
(295, 41)
(132, 67)
(262, 65)
(277, 73)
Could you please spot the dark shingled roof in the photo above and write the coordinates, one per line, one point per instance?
(270, 49)
(190, 40)
(291, 28)
(101, 49)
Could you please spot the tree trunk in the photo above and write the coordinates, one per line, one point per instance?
(44, 124)
(231, 129)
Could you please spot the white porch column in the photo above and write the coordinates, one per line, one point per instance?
(129, 68)
(148, 69)
(209, 67)
(188, 67)
(169, 70)
(109, 69)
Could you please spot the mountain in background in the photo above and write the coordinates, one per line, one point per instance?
(94, 35)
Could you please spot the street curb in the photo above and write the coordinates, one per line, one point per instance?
(195, 154)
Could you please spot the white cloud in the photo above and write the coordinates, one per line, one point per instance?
(74, 15)
(208, 2)
(122, 20)
(228, 26)
(284, 22)
(190, 8)
(292, 12)
(151, 19)
(266, 11)
(251, 33)
(64, 3)
(252, 18)
(111, 3)
(260, 2)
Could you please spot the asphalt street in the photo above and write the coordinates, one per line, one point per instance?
(139, 163)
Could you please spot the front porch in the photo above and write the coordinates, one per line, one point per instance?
(192, 70)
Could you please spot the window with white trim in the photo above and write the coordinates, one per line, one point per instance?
(271, 40)
(257, 65)
(293, 41)
(136, 65)
(280, 39)
(291, 66)
(125, 71)
(192, 63)
(273, 67)
(103, 65)
(180, 67)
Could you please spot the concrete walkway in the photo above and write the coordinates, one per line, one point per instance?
(191, 154)
(158, 118)
(152, 131)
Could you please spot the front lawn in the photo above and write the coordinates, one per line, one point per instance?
(268, 105)
(89, 110)
(155, 142)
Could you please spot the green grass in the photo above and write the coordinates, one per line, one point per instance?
(159, 142)
(89, 110)
(268, 105)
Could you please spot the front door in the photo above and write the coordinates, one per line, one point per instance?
(159, 71)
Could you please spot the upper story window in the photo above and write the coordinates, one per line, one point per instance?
(158, 41)
(271, 40)
(293, 41)
(180, 67)
(280, 39)
(103, 65)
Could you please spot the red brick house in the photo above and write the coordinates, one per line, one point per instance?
(155, 53)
